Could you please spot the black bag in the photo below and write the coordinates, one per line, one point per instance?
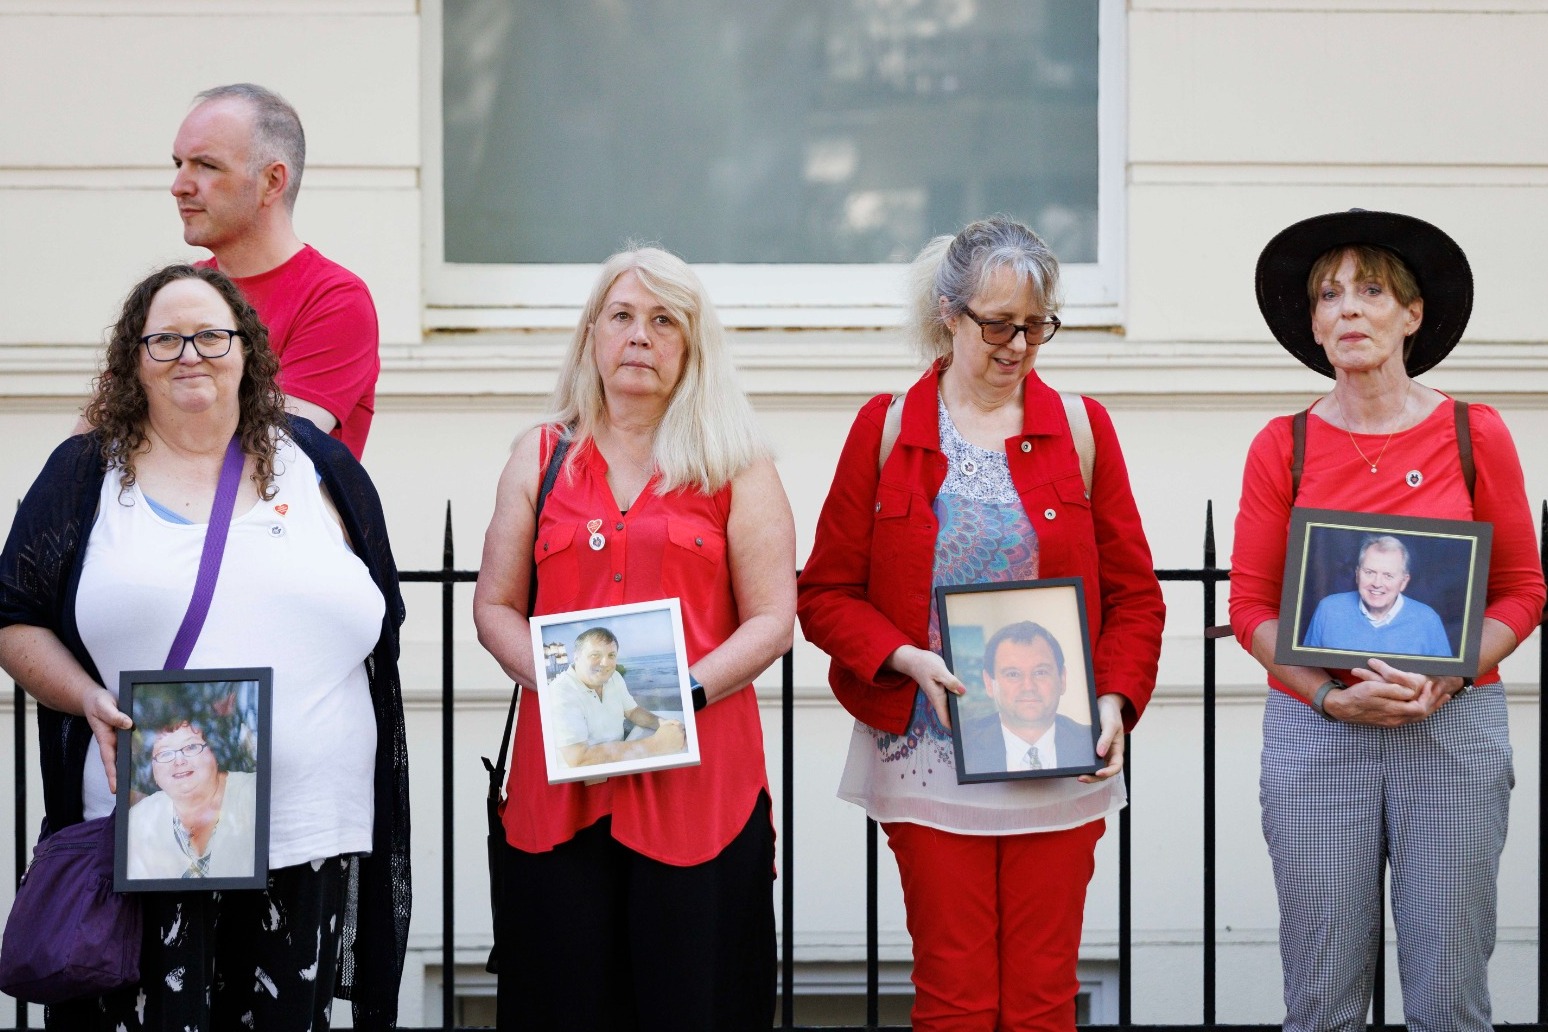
(496, 839)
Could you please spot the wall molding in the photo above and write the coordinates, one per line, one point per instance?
(159, 177)
(460, 370)
(1247, 173)
(203, 8)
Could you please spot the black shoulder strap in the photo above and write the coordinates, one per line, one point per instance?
(1297, 452)
(1465, 446)
(550, 474)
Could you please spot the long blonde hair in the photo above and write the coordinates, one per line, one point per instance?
(708, 434)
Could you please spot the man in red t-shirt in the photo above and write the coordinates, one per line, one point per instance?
(239, 156)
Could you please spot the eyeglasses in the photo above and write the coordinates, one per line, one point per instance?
(168, 347)
(998, 331)
(188, 751)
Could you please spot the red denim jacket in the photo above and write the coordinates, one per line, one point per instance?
(866, 589)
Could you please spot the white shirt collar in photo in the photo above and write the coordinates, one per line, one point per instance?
(1397, 607)
(1016, 750)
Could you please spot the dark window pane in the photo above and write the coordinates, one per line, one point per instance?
(823, 131)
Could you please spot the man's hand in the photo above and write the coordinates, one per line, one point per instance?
(669, 738)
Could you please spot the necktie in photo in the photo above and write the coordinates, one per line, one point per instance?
(1033, 762)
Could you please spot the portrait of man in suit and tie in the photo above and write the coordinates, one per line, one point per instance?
(1024, 678)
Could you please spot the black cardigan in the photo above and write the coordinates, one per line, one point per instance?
(40, 569)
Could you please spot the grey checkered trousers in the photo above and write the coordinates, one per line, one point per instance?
(1430, 800)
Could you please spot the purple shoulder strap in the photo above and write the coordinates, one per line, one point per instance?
(209, 561)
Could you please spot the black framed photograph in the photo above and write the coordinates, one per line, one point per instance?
(1023, 651)
(1358, 586)
(193, 780)
(613, 691)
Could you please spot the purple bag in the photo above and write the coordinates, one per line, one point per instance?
(69, 933)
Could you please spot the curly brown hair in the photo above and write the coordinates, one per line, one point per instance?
(119, 408)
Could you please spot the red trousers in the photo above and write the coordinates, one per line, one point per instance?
(996, 923)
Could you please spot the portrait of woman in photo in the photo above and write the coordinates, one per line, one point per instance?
(202, 821)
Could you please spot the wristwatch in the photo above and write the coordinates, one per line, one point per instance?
(1330, 685)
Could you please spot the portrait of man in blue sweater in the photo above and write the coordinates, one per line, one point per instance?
(1377, 617)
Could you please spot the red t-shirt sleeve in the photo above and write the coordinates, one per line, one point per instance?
(331, 355)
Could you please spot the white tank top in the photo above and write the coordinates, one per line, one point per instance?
(292, 596)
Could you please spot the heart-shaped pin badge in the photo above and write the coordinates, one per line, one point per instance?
(282, 508)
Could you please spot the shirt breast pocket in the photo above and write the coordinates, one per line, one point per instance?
(558, 569)
(695, 553)
(892, 503)
(1061, 515)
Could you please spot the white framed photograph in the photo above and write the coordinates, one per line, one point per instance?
(613, 691)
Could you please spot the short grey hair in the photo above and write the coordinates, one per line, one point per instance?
(954, 269)
(277, 132)
(1383, 543)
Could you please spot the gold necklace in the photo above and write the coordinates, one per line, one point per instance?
(1361, 451)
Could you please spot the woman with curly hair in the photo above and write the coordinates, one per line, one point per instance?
(95, 579)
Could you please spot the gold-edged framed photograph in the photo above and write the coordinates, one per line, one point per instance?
(193, 780)
(1023, 651)
(1409, 590)
(613, 691)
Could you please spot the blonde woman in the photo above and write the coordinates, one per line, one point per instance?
(652, 891)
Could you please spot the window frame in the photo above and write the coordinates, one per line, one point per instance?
(464, 296)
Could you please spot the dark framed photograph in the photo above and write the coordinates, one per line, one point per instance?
(1405, 589)
(613, 691)
(193, 780)
(1023, 651)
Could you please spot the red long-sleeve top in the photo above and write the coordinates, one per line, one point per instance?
(1335, 476)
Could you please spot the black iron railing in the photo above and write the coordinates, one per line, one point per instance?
(1209, 576)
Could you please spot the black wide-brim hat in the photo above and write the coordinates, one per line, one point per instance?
(1445, 281)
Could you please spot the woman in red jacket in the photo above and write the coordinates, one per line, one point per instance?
(982, 484)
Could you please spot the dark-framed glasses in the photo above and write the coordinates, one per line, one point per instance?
(998, 331)
(188, 751)
(168, 347)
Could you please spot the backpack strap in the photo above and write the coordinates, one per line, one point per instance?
(1297, 452)
(1465, 445)
(1080, 431)
(891, 427)
(1074, 412)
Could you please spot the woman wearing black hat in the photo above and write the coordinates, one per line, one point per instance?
(1380, 765)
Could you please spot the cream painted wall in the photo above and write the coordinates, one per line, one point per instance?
(1243, 115)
